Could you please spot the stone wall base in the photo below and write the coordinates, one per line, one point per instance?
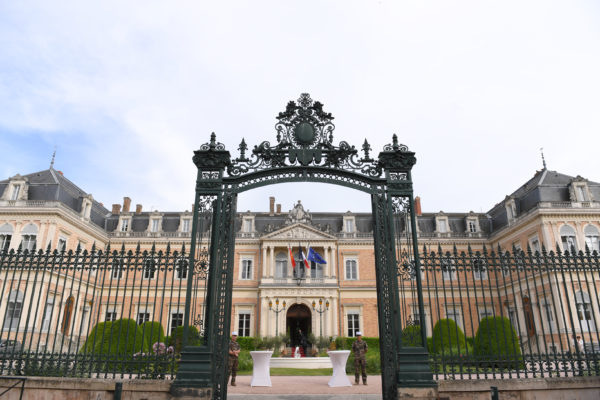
(418, 394)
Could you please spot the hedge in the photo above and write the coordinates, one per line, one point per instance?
(497, 343)
(447, 334)
(153, 332)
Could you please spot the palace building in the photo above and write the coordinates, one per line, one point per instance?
(338, 298)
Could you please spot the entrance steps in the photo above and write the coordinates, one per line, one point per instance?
(304, 396)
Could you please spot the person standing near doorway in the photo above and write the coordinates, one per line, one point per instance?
(303, 342)
(234, 354)
(360, 348)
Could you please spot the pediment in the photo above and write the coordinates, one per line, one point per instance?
(298, 231)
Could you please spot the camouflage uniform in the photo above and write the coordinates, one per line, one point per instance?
(233, 361)
(359, 347)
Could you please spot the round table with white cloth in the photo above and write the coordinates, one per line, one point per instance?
(261, 374)
(338, 360)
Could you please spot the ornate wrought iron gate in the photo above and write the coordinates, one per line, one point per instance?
(305, 152)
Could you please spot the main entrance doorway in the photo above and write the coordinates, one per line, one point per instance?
(298, 323)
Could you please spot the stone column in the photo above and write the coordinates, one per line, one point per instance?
(264, 262)
(272, 262)
(333, 262)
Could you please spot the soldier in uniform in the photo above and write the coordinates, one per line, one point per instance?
(359, 347)
(234, 353)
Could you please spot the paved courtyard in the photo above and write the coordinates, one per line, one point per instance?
(306, 385)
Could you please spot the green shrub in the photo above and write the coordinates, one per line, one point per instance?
(153, 333)
(115, 343)
(246, 343)
(176, 338)
(411, 336)
(447, 334)
(245, 361)
(373, 360)
(497, 343)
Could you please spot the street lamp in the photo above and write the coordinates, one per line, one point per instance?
(276, 310)
(321, 310)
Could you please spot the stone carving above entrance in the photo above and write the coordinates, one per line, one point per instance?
(298, 215)
(298, 231)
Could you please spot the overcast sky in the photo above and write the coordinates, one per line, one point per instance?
(126, 92)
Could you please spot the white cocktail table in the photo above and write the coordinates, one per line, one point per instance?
(261, 375)
(338, 360)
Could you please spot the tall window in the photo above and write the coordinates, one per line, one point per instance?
(176, 320)
(62, 244)
(479, 269)
(535, 245)
(512, 316)
(149, 268)
(117, 268)
(14, 309)
(548, 312)
(351, 270)
(6, 232)
(448, 270)
(485, 312)
(472, 226)
(125, 225)
(244, 324)
(247, 225)
(281, 266)
(591, 238)
(143, 316)
(581, 194)
(353, 324)
(47, 319)
(28, 237)
(185, 227)
(584, 311)
(154, 226)
(16, 192)
(349, 225)
(453, 312)
(246, 269)
(567, 237)
(111, 314)
(442, 225)
(182, 267)
(316, 270)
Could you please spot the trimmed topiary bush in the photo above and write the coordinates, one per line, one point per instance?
(176, 339)
(447, 334)
(411, 336)
(153, 333)
(113, 344)
(497, 343)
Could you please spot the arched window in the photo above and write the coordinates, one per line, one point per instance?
(591, 238)
(567, 237)
(584, 311)
(28, 236)
(13, 311)
(281, 266)
(6, 232)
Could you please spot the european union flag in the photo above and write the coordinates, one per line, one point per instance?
(315, 257)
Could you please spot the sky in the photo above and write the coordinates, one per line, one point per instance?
(125, 91)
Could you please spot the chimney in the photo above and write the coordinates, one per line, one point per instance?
(126, 204)
(278, 209)
(138, 208)
(116, 209)
(271, 206)
(418, 206)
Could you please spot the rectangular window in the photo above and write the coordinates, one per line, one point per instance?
(568, 243)
(351, 270)
(454, 313)
(182, 269)
(581, 194)
(548, 313)
(16, 191)
(154, 227)
(591, 242)
(479, 270)
(176, 320)
(316, 270)
(13, 312)
(472, 227)
(281, 268)
(62, 244)
(512, 316)
(448, 270)
(535, 246)
(143, 317)
(111, 315)
(353, 324)
(117, 268)
(149, 269)
(442, 226)
(247, 225)
(349, 225)
(246, 269)
(185, 227)
(28, 242)
(125, 225)
(47, 319)
(5, 242)
(485, 312)
(244, 324)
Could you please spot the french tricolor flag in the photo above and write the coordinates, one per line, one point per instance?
(306, 264)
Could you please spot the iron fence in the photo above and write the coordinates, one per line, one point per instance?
(519, 314)
(99, 313)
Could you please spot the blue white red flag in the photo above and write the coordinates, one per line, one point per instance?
(315, 257)
(306, 264)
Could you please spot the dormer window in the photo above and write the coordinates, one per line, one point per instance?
(441, 223)
(471, 226)
(86, 207)
(154, 225)
(248, 224)
(581, 194)
(185, 225)
(125, 223)
(579, 191)
(511, 210)
(472, 223)
(349, 224)
(15, 192)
